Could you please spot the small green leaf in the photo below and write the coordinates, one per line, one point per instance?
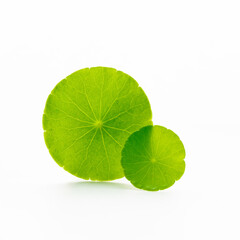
(88, 117)
(153, 158)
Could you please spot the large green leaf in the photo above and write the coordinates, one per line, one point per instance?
(153, 158)
(88, 117)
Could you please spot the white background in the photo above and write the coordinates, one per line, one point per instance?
(184, 54)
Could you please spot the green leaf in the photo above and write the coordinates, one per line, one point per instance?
(88, 117)
(153, 158)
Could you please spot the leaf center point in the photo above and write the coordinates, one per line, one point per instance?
(98, 124)
(153, 160)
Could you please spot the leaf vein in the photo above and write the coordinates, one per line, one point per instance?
(113, 138)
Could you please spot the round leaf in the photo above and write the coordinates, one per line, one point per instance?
(153, 158)
(88, 117)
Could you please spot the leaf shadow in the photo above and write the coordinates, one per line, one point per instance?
(95, 188)
(99, 186)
